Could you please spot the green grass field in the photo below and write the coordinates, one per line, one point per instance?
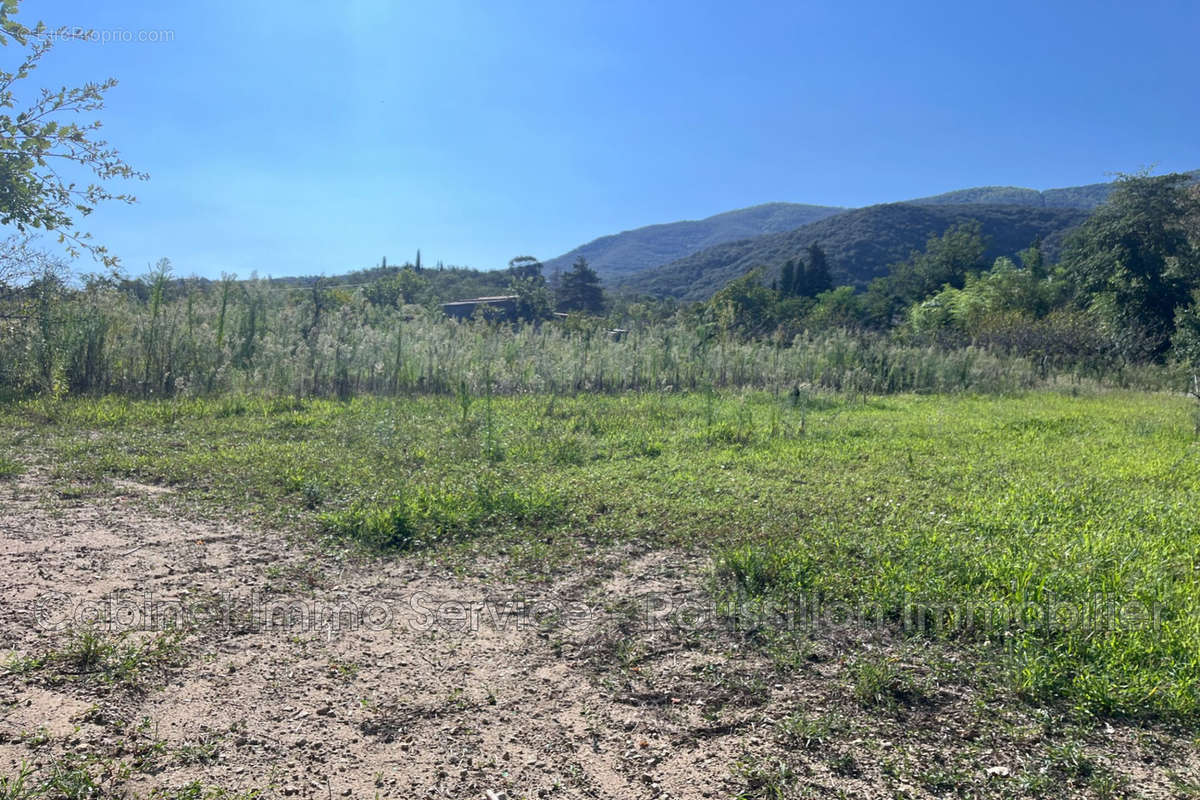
(1053, 537)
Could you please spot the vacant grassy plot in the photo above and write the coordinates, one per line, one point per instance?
(1055, 535)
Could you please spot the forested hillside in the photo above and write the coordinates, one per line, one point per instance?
(692, 259)
(621, 254)
(1086, 197)
(860, 244)
(618, 257)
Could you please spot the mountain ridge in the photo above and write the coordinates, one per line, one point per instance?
(619, 254)
(1086, 197)
(860, 244)
(617, 257)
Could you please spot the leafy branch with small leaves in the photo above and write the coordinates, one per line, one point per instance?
(42, 144)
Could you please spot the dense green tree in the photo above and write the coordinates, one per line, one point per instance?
(798, 278)
(1133, 260)
(1191, 221)
(394, 290)
(837, 308)
(533, 298)
(524, 267)
(529, 285)
(383, 292)
(1005, 289)
(1186, 339)
(1033, 259)
(817, 278)
(946, 261)
(37, 140)
(787, 278)
(745, 306)
(580, 289)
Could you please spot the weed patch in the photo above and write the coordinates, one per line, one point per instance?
(90, 655)
(430, 517)
(10, 468)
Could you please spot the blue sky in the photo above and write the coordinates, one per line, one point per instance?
(307, 138)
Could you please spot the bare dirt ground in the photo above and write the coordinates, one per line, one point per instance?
(301, 673)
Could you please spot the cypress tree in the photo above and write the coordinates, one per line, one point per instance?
(817, 278)
(787, 281)
(800, 282)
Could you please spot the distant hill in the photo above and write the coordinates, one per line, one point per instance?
(860, 244)
(622, 254)
(1082, 197)
(619, 256)
(692, 259)
(1086, 197)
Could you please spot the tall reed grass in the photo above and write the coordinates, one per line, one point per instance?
(251, 337)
